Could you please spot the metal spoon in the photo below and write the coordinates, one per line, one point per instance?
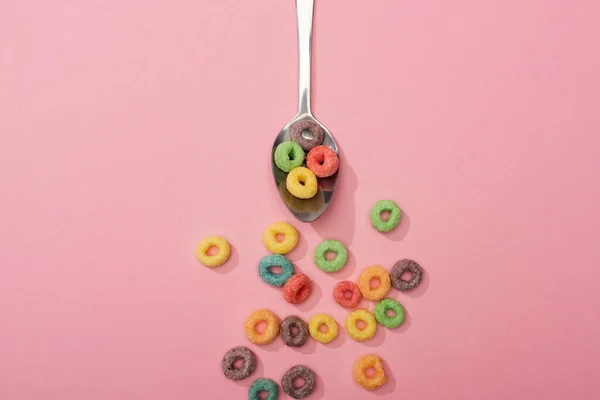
(307, 210)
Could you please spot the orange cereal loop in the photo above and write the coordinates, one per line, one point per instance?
(290, 238)
(213, 260)
(360, 376)
(270, 332)
(364, 283)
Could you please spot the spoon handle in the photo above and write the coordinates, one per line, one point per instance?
(304, 12)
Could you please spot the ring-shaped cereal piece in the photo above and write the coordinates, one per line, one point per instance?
(297, 289)
(334, 246)
(263, 385)
(307, 143)
(271, 331)
(400, 268)
(339, 294)
(288, 155)
(381, 310)
(238, 353)
(301, 182)
(370, 325)
(323, 161)
(299, 371)
(364, 283)
(394, 218)
(218, 259)
(275, 260)
(290, 238)
(360, 376)
(287, 334)
(323, 319)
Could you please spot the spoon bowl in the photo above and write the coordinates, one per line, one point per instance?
(305, 210)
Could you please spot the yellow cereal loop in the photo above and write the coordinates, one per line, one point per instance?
(271, 331)
(330, 324)
(290, 238)
(370, 325)
(364, 283)
(302, 183)
(360, 376)
(219, 258)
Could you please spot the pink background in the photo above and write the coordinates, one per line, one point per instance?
(132, 129)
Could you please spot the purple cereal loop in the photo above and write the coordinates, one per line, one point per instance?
(299, 371)
(401, 267)
(286, 331)
(307, 125)
(238, 353)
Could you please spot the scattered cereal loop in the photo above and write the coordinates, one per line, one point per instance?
(370, 325)
(215, 260)
(275, 260)
(233, 355)
(290, 238)
(364, 283)
(271, 331)
(360, 376)
(330, 324)
(299, 371)
(297, 289)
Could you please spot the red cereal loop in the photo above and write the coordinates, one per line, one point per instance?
(297, 289)
(322, 161)
(340, 290)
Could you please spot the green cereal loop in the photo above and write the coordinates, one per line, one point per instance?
(381, 313)
(288, 156)
(263, 384)
(392, 222)
(341, 255)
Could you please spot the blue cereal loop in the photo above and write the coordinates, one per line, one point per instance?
(272, 260)
(263, 384)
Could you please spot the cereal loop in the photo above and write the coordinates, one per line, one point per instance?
(336, 247)
(287, 334)
(302, 183)
(315, 130)
(275, 260)
(233, 355)
(360, 376)
(364, 283)
(263, 385)
(385, 206)
(370, 325)
(270, 332)
(288, 155)
(400, 268)
(339, 294)
(297, 289)
(315, 324)
(290, 238)
(323, 161)
(219, 258)
(299, 371)
(381, 310)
